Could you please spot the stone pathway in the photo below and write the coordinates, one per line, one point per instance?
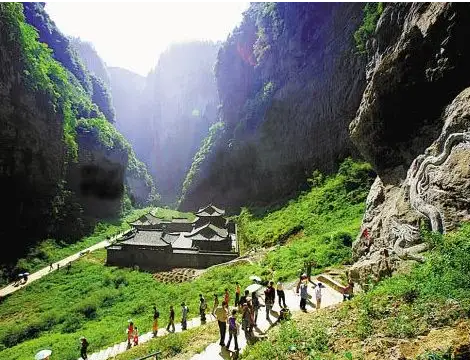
(122, 347)
(11, 288)
(214, 350)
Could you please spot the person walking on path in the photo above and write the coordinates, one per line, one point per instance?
(280, 294)
(216, 303)
(237, 294)
(222, 316)
(243, 299)
(171, 320)
(50, 267)
(318, 294)
(202, 308)
(303, 289)
(184, 316)
(130, 333)
(156, 315)
(233, 330)
(256, 306)
(227, 297)
(269, 298)
(83, 348)
(136, 336)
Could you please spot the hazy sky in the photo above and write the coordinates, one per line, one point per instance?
(133, 34)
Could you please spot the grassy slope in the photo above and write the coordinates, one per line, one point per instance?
(428, 296)
(96, 301)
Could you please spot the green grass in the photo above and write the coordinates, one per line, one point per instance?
(96, 301)
(432, 295)
(325, 220)
(188, 342)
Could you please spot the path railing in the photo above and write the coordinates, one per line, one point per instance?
(150, 356)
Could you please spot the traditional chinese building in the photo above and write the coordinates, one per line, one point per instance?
(157, 244)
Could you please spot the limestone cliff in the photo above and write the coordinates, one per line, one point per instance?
(413, 125)
(289, 81)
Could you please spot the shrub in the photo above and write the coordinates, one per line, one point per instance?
(372, 12)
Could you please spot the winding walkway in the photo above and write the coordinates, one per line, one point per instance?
(214, 350)
(11, 288)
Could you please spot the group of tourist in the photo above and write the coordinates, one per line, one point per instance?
(132, 334)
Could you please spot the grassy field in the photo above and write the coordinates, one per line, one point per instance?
(96, 301)
(434, 295)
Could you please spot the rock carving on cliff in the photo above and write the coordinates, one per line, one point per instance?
(419, 181)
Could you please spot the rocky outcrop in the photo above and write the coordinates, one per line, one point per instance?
(413, 125)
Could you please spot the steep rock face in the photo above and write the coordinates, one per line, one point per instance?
(32, 151)
(289, 82)
(126, 88)
(413, 125)
(167, 119)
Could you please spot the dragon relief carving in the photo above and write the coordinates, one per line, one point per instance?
(419, 180)
(406, 236)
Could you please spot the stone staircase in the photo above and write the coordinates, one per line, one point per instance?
(119, 348)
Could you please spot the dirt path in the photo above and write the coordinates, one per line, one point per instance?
(11, 288)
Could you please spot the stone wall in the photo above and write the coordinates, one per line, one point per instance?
(151, 259)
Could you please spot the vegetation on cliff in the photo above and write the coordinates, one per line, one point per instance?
(54, 154)
(372, 12)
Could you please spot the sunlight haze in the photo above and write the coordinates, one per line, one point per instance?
(133, 35)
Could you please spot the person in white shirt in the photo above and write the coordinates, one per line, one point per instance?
(318, 294)
(280, 294)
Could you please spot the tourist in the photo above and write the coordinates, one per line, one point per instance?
(202, 308)
(171, 321)
(303, 289)
(216, 303)
(232, 330)
(348, 291)
(227, 297)
(256, 306)
(280, 293)
(50, 267)
(69, 266)
(83, 348)
(318, 294)
(130, 333)
(25, 277)
(184, 316)
(136, 336)
(156, 315)
(221, 316)
(243, 299)
(269, 298)
(58, 266)
(237, 294)
(245, 318)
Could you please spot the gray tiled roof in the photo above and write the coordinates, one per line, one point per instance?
(210, 210)
(146, 238)
(220, 232)
(183, 242)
